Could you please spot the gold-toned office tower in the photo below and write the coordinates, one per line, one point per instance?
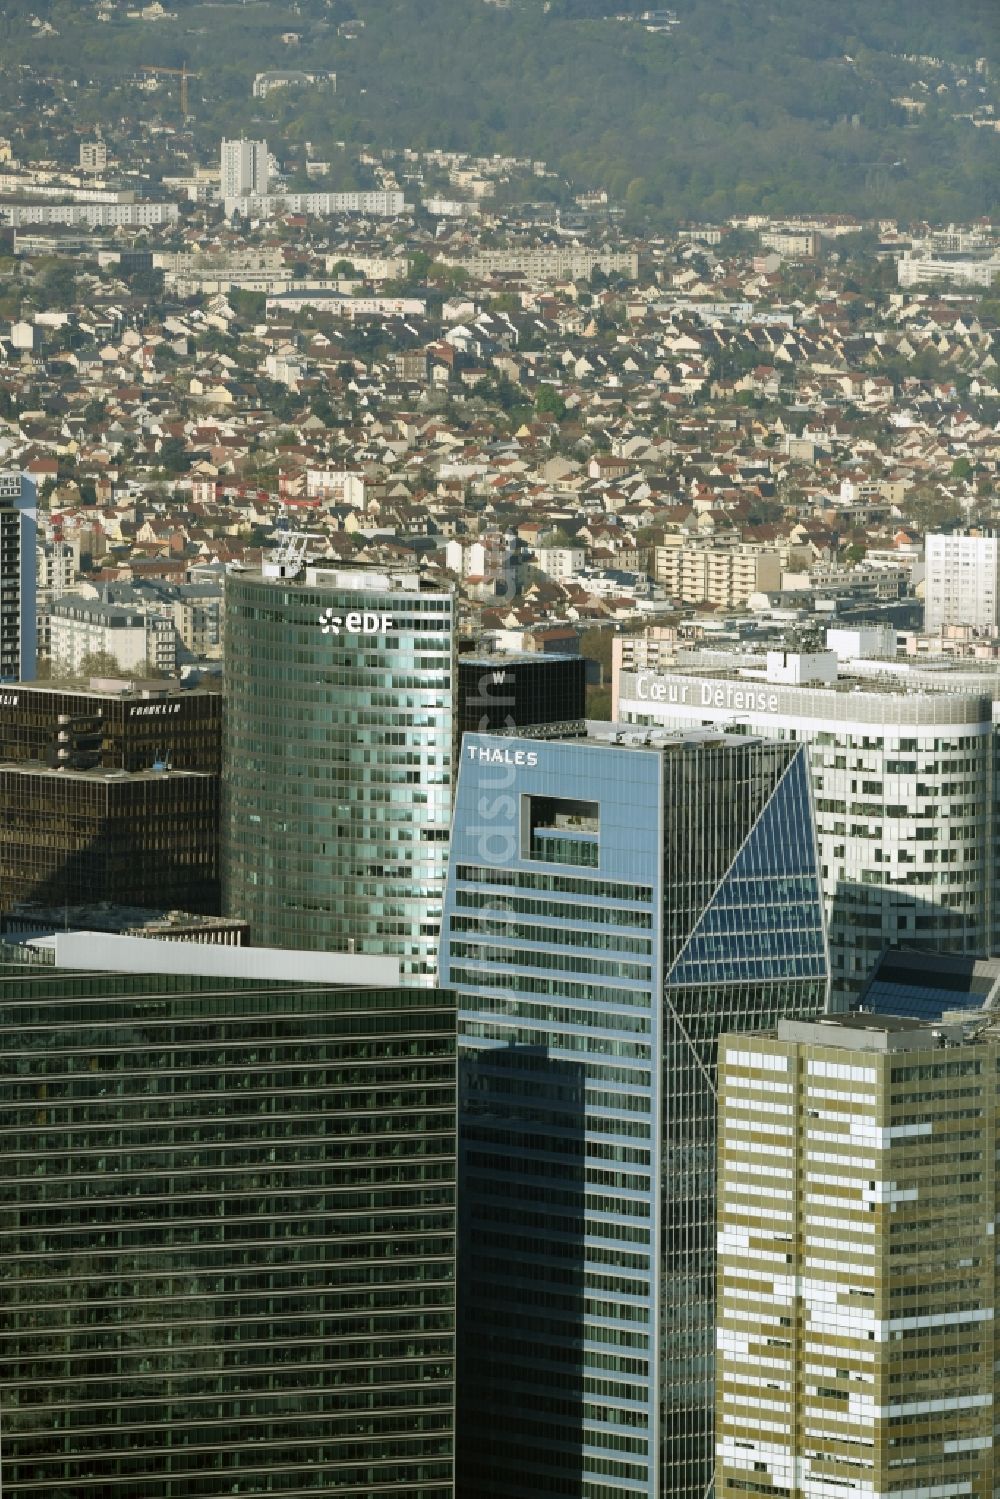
(856, 1279)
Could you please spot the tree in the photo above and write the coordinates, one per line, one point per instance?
(174, 456)
(100, 664)
(58, 285)
(548, 402)
(420, 264)
(930, 510)
(595, 644)
(248, 305)
(599, 703)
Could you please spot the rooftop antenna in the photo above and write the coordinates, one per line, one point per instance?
(288, 556)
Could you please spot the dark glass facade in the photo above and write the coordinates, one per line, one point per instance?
(593, 987)
(75, 836)
(338, 756)
(117, 731)
(500, 693)
(227, 1241)
(18, 537)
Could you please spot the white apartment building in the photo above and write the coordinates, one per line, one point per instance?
(903, 773)
(243, 168)
(57, 563)
(549, 263)
(917, 269)
(371, 267)
(791, 242)
(266, 83)
(89, 215)
(18, 538)
(388, 205)
(134, 637)
(351, 307)
(962, 581)
(93, 156)
(725, 576)
(451, 208)
(255, 260)
(336, 486)
(560, 562)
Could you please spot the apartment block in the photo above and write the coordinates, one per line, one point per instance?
(137, 639)
(723, 576)
(266, 205)
(93, 156)
(90, 215)
(243, 168)
(549, 263)
(962, 585)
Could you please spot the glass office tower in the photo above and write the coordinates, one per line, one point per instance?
(18, 534)
(338, 760)
(227, 1239)
(614, 904)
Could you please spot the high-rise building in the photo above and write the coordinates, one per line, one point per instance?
(962, 583)
(523, 690)
(244, 168)
(856, 1292)
(18, 541)
(228, 1245)
(338, 759)
(904, 770)
(614, 903)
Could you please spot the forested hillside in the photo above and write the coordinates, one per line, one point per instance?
(777, 105)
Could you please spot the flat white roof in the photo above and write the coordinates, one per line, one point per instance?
(105, 951)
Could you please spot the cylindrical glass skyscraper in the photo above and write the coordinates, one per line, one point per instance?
(338, 760)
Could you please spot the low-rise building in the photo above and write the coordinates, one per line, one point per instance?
(265, 83)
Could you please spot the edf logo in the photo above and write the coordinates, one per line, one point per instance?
(355, 623)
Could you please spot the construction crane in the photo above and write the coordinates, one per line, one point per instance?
(183, 74)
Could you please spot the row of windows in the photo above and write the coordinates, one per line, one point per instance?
(529, 958)
(498, 908)
(553, 936)
(592, 998)
(559, 884)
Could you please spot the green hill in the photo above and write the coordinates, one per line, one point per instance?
(774, 105)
